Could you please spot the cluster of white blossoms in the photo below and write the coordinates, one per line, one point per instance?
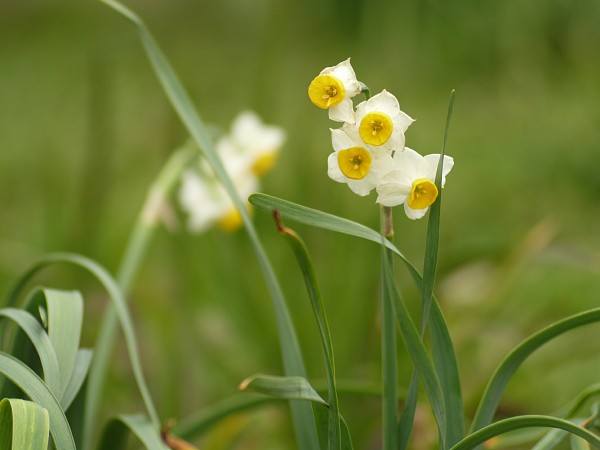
(247, 152)
(369, 148)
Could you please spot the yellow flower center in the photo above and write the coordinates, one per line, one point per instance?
(376, 128)
(231, 221)
(422, 194)
(354, 162)
(326, 91)
(264, 163)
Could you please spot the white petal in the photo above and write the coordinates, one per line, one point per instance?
(411, 163)
(345, 73)
(393, 189)
(432, 162)
(402, 121)
(397, 140)
(343, 112)
(360, 187)
(333, 169)
(340, 140)
(383, 102)
(380, 167)
(414, 213)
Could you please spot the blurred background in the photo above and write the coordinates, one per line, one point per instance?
(85, 127)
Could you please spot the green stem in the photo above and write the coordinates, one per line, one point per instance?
(144, 228)
(388, 344)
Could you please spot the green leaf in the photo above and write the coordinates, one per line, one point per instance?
(28, 381)
(41, 342)
(23, 425)
(80, 370)
(314, 293)
(116, 296)
(292, 359)
(417, 352)
(497, 384)
(289, 388)
(116, 434)
(477, 438)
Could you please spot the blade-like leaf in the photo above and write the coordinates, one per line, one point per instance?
(289, 388)
(41, 342)
(83, 360)
(477, 438)
(314, 293)
(23, 425)
(116, 433)
(497, 384)
(292, 359)
(417, 352)
(28, 381)
(116, 296)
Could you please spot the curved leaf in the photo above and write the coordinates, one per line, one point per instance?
(289, 388)
(116, 433)
(497, 384)
(83, 360)
(24, 425)
(41, 342)
(290, 349)
(28, 381)
(514, 423)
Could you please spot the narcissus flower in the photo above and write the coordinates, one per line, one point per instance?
(252, 142)
(248, 151)
(412, 182)
(333, 88)
(353, 164)
(380, 122)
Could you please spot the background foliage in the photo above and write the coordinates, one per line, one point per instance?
(84, 128)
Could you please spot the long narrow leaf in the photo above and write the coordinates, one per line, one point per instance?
(290, 388)
(497, 384)
(28, 381)
(116, 433)
(514, 423)
(314, 293)
(302, 415)
(417, 353)
(23, 425)
(41, 342)
(116, 297)
(80, 370)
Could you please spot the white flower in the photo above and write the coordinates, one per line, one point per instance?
(412, 182)
(333, 88)
(380, 123)
(256, 143)
(248, 151)
(207, 203)
(354, 165)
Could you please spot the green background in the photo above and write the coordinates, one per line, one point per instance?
(84, 128)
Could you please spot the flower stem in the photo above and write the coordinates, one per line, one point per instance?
(143, 230)
(388, 343)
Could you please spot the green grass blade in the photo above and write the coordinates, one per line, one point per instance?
(83, 360)
(65, 317)
(118, 302)
(23, 425)
(292, 359)
(41, 342)
(28, 381)
(314, 293)
(447, 371)
(116, 434)
(497, 384)
(514, 423)
(417, 352)
(288, 388)
(405, 425)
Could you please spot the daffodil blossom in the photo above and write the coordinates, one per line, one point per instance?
(333, 88)
(252, 143)
(380, 123)
(355, 165)
(412, 182)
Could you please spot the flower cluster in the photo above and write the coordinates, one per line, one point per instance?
(248, 152)
(369, 149)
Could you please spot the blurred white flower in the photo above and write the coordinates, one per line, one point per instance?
(333, 88)
(248, 151)
(381, 123)
(412, 182)
(353, 164)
